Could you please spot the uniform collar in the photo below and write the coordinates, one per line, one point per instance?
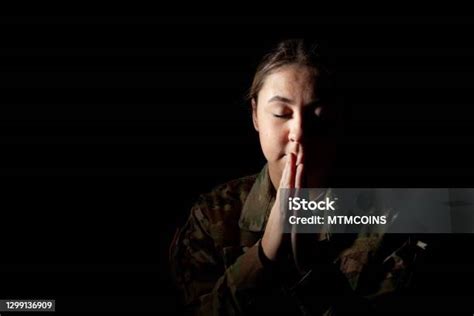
(258, 204)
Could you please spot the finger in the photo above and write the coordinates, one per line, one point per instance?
(284, 182)
(299, 183)
(292, 171)
(294, 147)
(300, 158)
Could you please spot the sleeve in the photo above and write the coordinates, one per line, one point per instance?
(209, 285)
(324, 289)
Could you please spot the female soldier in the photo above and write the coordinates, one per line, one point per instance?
(233, 256)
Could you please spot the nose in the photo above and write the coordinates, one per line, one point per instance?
(296, 130)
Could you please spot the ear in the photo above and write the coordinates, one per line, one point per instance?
(254, 114)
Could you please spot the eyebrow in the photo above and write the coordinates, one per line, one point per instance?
(278, 98)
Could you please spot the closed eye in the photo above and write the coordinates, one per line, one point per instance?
(318, 110)
(282, 116)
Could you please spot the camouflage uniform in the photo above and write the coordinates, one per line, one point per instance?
(217, 266)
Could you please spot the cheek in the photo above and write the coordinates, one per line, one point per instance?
(273, 140)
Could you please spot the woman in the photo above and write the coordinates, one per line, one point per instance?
(233, 255)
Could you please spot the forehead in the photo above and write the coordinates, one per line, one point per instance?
(292, 81)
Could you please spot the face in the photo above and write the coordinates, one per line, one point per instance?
(287, 112)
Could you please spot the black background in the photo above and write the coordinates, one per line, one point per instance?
(111, 126)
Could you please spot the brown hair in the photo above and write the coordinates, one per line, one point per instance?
(287, 52)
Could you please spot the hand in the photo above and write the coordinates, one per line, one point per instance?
(300, 243)
(274, 242)
(303, 244)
